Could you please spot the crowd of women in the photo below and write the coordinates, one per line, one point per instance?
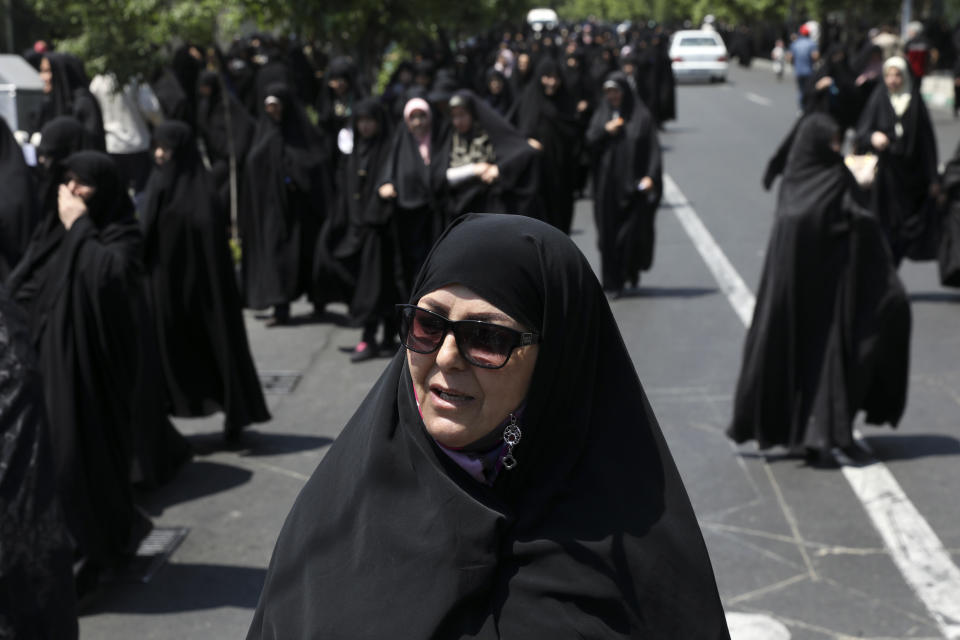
(119, 241)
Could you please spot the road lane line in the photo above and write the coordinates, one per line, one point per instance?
(758, 99)
(912, 543)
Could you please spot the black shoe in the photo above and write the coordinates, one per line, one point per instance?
(363, 351)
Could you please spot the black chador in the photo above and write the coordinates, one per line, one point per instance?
(204, 352)
(17, 204)
(70, 96)
(79, 287)
(223, 124)
(282, 205)
(481, 138)
(627, 183)
(547, 113)
(37, 598)
(831, 327)
(907, 167)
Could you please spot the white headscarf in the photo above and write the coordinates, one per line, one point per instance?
(900, 100)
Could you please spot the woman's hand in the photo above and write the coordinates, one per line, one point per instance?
(490, 174)
(69, 206)
(533, 142)
(879, 140)
(646, 182)
(614, 125)
(823, 83)
(387, 191)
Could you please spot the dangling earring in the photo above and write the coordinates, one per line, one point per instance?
(511, 435)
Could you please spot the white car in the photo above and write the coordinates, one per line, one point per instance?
(699, 54)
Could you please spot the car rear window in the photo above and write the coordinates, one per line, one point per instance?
(699, 41)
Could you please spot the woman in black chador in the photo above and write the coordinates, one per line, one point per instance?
(412, 178)
(505, 477)
(896, 126)
(79, 282)
(489, 165)
(204, 352)
(223, 123)
(66, 93)
(627, 183)
(37, 598)
(18, 205)
(282, 205)
(547, 113)
(831, 328)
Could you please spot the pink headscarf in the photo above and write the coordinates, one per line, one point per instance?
(423, 144)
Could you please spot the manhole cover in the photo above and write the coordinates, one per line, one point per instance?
(154, 551)
(279, 382)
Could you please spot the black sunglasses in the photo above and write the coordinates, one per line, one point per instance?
(482, 344)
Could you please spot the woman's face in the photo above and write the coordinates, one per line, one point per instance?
(893, 79)
(418, 123)
(614, 97)
(550, 84)
(367, 127)
(274, 109)
(461, 403)
(523, 62)
(46, 74)
(495, 85)
(462, 119)
(162, 155)
(78, 187)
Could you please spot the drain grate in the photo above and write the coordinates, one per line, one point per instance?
(279, 382)
(153, 553)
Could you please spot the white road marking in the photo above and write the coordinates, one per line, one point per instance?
(755, 626)
(758, 99)
(912, 543)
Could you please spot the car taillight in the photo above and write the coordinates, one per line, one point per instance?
(676, 59)
(722, 59)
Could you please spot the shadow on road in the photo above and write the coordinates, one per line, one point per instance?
(934, 296)
(910, 447)
(185, 587)
(195, 480)
(669, 292)
(256, 443)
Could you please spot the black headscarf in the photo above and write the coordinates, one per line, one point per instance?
(71, 97)
(503, 101)
(217, 130)
(591, 535)
(18, 207)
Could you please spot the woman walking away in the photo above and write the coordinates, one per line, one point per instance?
(831, 328)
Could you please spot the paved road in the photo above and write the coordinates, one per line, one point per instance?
(793, 547)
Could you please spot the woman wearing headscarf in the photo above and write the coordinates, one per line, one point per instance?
(489, 166)
(505, 477)
(336, 99)
(37, 595)
(59, 138)
(66, 93)
(497, 92)
(368, 246)
(412, 179)
(547, 113)
(284, 189)
(627, 183)
(896, 126)
(832, 89)
(18, 206)
(831, 328)
(226, 128)
(205, 357)
(78, 282)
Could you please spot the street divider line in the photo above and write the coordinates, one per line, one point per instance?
(758, 99)
(913, 545)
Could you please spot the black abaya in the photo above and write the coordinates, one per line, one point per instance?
(831, 327)
(36, 579)
(71, 97)
(905, 171)
(590, 535)
(553, 121)
(624, 215)
(282, 205)
(78, 286)
(222, 123)
(204, 351)
(18, 207)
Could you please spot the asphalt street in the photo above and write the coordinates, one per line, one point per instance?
(795, 551)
